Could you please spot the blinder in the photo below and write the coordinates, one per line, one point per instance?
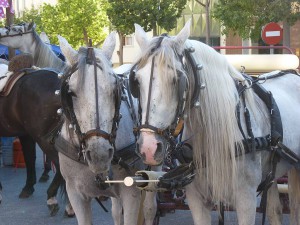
(183, 87)
(133, 83)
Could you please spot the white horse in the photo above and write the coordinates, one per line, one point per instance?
(177, 78)
(98, 152)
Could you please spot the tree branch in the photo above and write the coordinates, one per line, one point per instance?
(200, 3)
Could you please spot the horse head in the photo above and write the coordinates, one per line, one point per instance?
(20, 33)
(159, 81)
(24, 38)
(90, 99)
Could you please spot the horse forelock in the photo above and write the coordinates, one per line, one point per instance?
(44, 56)
(166, 59)
(101, 60)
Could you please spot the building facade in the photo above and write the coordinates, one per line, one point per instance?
(193, 11)
(21, 5)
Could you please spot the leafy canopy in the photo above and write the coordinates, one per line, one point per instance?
(147, 13)
(69, 18)
(31, 15)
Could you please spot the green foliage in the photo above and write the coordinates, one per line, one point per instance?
(69, 18)
(246, 17)
(147, 13)
(30, 15)
(169, 11)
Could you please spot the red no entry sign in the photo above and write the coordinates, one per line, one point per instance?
(271, 33)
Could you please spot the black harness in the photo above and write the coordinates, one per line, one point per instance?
(273, 142)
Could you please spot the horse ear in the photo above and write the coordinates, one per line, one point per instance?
(182, 36)
(141, 36)
(109, 45)
(70, 54)
(45, 38)
(31, 25)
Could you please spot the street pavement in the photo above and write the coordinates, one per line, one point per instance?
(34, 211)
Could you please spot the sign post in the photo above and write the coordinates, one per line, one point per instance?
(272, 34)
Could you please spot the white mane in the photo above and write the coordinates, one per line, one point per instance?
(213, 126)
(44, 56)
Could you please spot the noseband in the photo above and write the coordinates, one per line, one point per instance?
(68, 109)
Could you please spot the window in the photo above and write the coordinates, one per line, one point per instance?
(128, 41)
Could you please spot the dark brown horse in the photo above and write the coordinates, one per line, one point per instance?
(30, 112)
(24, 38)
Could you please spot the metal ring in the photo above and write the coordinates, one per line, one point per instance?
(263, 81)
(249, 82)
(243, 69)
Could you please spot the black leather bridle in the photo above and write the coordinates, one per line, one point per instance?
(20, 33)
(183, 89)
(67, 105)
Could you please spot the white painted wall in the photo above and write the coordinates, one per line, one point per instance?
(130, 52)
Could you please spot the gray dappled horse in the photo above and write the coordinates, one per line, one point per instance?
(85, 178)
(230, 121)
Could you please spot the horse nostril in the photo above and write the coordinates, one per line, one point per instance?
(159, 148)
(88, 155)
(110, 152)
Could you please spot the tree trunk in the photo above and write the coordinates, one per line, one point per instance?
(120, 52)
(207, 35)
(85, 37)
(10, 21)
(207, 18)
(154, 30)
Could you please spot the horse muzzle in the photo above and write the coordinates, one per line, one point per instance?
(99, 156)
(151, 147)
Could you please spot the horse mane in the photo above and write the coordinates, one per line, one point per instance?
(215, 122)
(44, 56)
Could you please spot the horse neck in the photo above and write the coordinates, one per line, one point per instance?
(213, 127)
(44, 56)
